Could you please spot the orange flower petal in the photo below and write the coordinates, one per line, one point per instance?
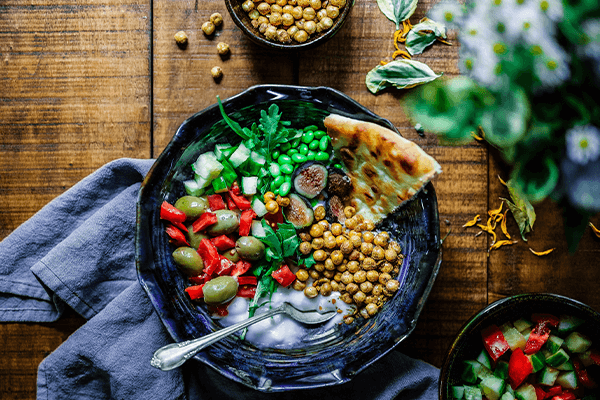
(492, 213)
(501, 181)
(541, 253)
(503, 225)
(472, 222)
(595, 230)
(501, 243)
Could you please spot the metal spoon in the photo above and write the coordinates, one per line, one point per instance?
(175, 354)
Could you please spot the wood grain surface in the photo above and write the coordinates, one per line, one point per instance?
(84, 83)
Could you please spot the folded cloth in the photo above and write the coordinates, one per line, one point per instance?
(79, 251)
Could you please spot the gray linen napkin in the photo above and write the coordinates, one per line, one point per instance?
(79, 251)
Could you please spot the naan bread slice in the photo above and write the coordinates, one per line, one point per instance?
(386, 170)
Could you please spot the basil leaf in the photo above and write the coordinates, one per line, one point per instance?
(423, 35)
(397, 10)
(402, 74)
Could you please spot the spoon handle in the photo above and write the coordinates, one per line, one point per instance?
(173, 355)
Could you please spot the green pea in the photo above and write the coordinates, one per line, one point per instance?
(275, 192)
(338, 166)
(323, 143)
(275, 154)
(278, 181)
(288, 178)
(285, 188)
(295, 142)
(319, 134)
(283, 159)
(287, 169)
(310, 156)
(307, 137)
(311, 128)
(273, 187)
(274, 170)
(313, 145)
(285, 146)
(322, 156)
(299, 158)
(291, 152)
(303, 149)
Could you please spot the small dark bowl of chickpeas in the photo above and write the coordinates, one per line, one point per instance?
(289, 24)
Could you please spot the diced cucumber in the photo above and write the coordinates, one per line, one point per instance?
(526, 333)
(501, 370)
(553, 343)
(249, 184)
(567, 379)
(557, 358)
(192, 188)
(525, 392)
(492, 387)
(202, 182)
(257, 229)
(458, 392)
(577, 343)
(569, 323)
(566, 366)
(548, 376)
(253, 164)
(219, 148)
(538, 361)
(471, 368)
(514, 338)
(228, 173)
(239, 156)
(586, 358)
(207, 166)
(219, 184)
(259, 207)
(522, 324)
(507, 396)
(473, 393)
(485, 359)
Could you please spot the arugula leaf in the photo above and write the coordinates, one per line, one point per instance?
(402, 74)
(232, 124)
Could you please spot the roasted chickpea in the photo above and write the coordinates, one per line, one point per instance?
(335, 286)
(349, 320)
(355, 255)
(283, 36)
(368, 224)
(275, 8)
(353, 266)
(263, 20)
(394, 246)
(327, 23)
(337, 257)
(216, 19)
(377, 290)
(347, 298)
(181, 38)
(271, 33)
(381, 239)
(319, 267)
(328, 274)
(356, 240)
(391, 255)
(368, 236)
(248, 6)
(208, 28)
(311, 292)
(364, 313)
(327, 234)
(339, 240)
(337, 229)
(384, 277)
(342, 267)
(349, 211)
(216, 72)
(223, 48)
(282, 201)
(386, 267)
(351, 223)
(359, 297)
(303, 3)
(346, 246)
(297, 12)
(325, 289)
(302, 275)
(322, 13)
(351, 288)
(332, 11)
(368, 264)
(378, 253)
(292, 30)
(360, 276)
(305, 236)
(287, 9)
(281, 3)
(329, 264)
(269, 196)
(392, 285)
(314, 274)
(372, 276)
(316, 230)
(338, 3)
(275, 18)
(319, 212)
(310, 27)
(337, 277)
(305, 248)
(330, 242)
(301, 36)
(264, 8)
(366, 287)
(315, 4)
(299, 285)
(366, 248)
(271, 206)
(372, 308)
(317, 243)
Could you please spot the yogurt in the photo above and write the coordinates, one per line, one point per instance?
(281, 331)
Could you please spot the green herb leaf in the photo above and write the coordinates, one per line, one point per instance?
(307, 261)
(423, 35)
(402, 74)
(397, 10)
(521, 209)
(232, 124)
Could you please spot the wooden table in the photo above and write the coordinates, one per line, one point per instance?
(86, 82)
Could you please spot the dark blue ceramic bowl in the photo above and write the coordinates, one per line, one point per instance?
(468, 344)
(351, 348)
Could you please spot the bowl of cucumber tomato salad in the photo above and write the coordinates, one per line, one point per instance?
(527, 347)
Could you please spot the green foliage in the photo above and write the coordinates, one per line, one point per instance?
(397, 10)
(423, 35)
(402, 74)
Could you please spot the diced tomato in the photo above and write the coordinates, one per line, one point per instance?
(595, 356)
(223, 242)
(582, 375)
(540, 394)
(219, 309)
(284, 276)
(549, 318)
(246, 221)
(215, 202)
(195, 292)
(247, 280)
(230, 203)
(240, 201)
(200, 279)
(241, 267)
(494, 341)
(554, 391)
(519, 368)
(225, 267)
(169, 213)
(247, 291)
(235, 188)
(274, 219)
(565, 395)
(210, 256)
(204, 221)
(177, 237)
(537, 337)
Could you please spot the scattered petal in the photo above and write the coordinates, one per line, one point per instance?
(541, 253)
(493, 213)
(472, 222)
(503, 226)
(501, 243)
(502, 181)
(595, 230)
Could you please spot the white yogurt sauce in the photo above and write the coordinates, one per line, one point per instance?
(281, 331)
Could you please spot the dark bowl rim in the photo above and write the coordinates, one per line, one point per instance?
(309, 44)
(484, 313)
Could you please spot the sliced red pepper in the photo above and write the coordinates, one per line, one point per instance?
(247, 280)
(582, 375)
(204, 221)
(178, 237)
(215, 202)
(225, 266)
(595, 356)
(549, 318)
(241, 267)
(519, 368)
(247, 291)
(195, 292)
(223, 242)
(240, 201)
(198, 280)
(235, 188)
(540, 394)
(230, 203)
(494, 341)
(246, 221)
(565, 395)
(554, 391)
(210, 256)
(169, 213)
(284, 276)
(538, 336)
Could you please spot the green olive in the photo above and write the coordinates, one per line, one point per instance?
(227, 222)
(220, 290)
(232, 255)
(188, 260)
(192, 206)
(195, 237)
(250, 248)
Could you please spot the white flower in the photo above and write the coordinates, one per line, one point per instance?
(551, 8)
(583, 144)
(526, 23)
(591, 28)
(487, 66)
(447, 12)
(551, 63)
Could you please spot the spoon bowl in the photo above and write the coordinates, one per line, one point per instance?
(174, 355)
